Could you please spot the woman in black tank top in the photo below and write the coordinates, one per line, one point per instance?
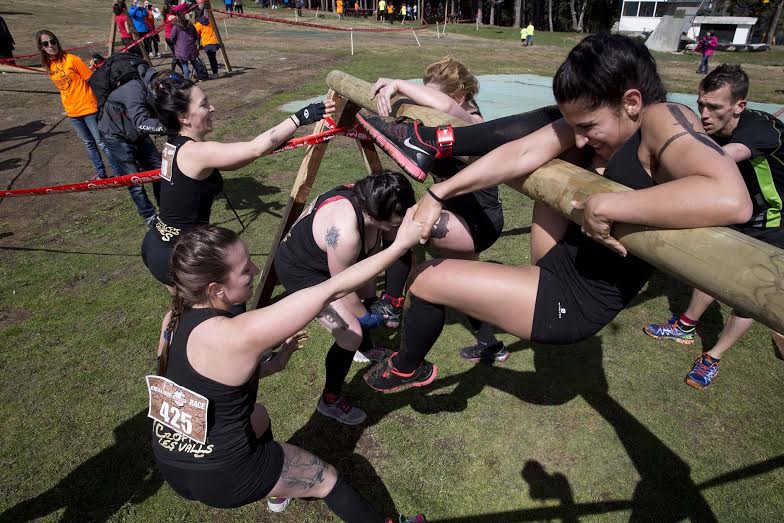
(218, 358)
(617, 122)
(341, 227)
(190, 181)
(470, 223)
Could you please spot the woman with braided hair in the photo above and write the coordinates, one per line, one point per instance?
(221, 357)
(191, 166)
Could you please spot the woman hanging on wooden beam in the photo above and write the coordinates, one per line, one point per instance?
(616, 122)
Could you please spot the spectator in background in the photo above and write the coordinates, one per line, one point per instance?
(209, 40)
(155, 40)
(169, 16)
(524, 36)
(6, 42)
(124, 26)
(391, 12)
(238, 7)
(530, 38)
(414, 12)
(706, 45)
(69, 74)
(126, 122)
(403, 13)
(138, 15)
(382, 10)
(339, 9)
(184, 37)
(228, 5)
(300, 5)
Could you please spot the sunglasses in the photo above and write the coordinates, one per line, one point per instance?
(48, 43)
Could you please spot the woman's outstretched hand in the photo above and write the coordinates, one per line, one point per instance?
(428, 213)
(409, 231)
(383, 91)
(596, 225)
(295, 342)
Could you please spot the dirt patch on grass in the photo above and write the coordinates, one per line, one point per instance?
(10, 317)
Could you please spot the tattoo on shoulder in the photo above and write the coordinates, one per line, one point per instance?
(332, 237)
(689, 129)
(441, 228)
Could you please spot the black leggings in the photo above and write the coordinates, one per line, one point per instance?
(481, 138)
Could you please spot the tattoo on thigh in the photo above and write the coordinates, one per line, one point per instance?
(303, 470)
(441, 228)
(680, 117)
(331, 315)
(332, 237)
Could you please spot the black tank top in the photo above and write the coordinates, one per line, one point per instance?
(230, 436)
(185, 202)
(604, 275)
(299, 248)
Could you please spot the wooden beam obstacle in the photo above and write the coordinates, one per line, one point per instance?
(736, 269)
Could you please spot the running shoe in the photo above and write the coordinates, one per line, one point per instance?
(778, 341)
(96, 177)
(419, 518)
(672, 330)
(385, 307)
(482, 352)
(703, 372)
(376, 354)
(401, 141)
(384, 378)
(342, 411)
(278, 504)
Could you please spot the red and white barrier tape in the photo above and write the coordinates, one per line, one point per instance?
(155, 174)
(321, 26)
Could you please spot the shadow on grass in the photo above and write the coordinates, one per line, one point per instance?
(95, 490)
(666, 491)
(245, 194)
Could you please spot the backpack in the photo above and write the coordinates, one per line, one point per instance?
(115, 71)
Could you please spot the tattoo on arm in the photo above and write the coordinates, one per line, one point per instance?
(302, 470)
(683, 121)
(332, 237)
(441, 228)
(331, 315)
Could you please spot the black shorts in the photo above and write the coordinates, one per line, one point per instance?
(565, 312)
(156, 254)
(485, 223)
(294, 277)
(231, 485)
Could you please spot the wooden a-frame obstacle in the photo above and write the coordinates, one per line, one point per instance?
(221, 45)
(736, 269)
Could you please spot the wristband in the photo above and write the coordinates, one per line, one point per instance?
(294, 119)
(435, 196)
(395, 302)
(371, 321)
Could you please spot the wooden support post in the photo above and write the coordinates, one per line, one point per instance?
(112, 36)
(298, 198)
(369, 156)
(218, 36)
(736, 269)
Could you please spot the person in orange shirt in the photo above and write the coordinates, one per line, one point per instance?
(339, 9)
(208, 40)
(69, 74)
(155, 39)
(390, 12)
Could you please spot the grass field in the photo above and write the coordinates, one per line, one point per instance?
(602, 430)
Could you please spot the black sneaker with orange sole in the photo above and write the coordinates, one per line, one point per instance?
(383, 376)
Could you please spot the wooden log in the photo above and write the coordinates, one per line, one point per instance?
(218, 37)
(734, 268)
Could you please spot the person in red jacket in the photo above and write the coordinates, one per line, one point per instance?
(706, 46)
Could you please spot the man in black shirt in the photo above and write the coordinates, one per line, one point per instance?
(754, 140)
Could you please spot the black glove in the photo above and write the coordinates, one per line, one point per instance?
(310, 114)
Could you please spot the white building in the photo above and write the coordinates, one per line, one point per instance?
(644, 16)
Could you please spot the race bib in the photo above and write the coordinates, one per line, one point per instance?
(167, 161)
(178, 408)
